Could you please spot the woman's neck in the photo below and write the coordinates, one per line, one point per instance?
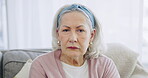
(74, 61)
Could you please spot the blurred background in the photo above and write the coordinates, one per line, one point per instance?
(27, 24)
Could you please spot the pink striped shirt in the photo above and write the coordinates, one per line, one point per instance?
(49, 66)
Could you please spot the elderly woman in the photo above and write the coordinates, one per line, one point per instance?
(77, 47)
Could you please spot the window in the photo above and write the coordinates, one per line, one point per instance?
(1, 41)
(145, 35)
(3, 26)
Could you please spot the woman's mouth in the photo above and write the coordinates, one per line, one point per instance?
(73, 47)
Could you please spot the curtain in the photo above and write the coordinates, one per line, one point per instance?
(30, 21)
(3, 25)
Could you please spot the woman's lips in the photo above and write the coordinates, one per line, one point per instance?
(73, 47)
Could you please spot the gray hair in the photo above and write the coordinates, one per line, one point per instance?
(97, 45)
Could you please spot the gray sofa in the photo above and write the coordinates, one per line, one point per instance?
(11, 61)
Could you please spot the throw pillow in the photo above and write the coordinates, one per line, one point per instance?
(24, 72)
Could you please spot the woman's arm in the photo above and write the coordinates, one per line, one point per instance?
(36, 70)
(111, 70)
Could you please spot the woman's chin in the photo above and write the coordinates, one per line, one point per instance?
(73, 53)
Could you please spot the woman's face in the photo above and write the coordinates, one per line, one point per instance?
(74, 34)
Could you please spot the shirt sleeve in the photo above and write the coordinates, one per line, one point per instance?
(36, 70)
(111, 70)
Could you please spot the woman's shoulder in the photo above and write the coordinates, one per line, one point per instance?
(105, 66)
(44, 64)
(50, 56)
(102, 59)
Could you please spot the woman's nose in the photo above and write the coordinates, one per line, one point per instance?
(73, 38)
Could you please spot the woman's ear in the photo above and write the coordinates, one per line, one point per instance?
(93, 33)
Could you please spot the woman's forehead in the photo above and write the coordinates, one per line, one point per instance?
(74, 18)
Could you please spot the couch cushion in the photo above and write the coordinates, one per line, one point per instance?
(13, 60)
(124, 58)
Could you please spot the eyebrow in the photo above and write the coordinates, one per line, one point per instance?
(76, 27)
(66, 26)
(80, 26)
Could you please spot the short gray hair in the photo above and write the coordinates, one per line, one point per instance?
(97, 45)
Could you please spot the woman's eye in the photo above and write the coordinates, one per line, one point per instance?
(65, 30)
(80, 30)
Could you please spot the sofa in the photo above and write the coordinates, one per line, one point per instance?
(11, 61)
